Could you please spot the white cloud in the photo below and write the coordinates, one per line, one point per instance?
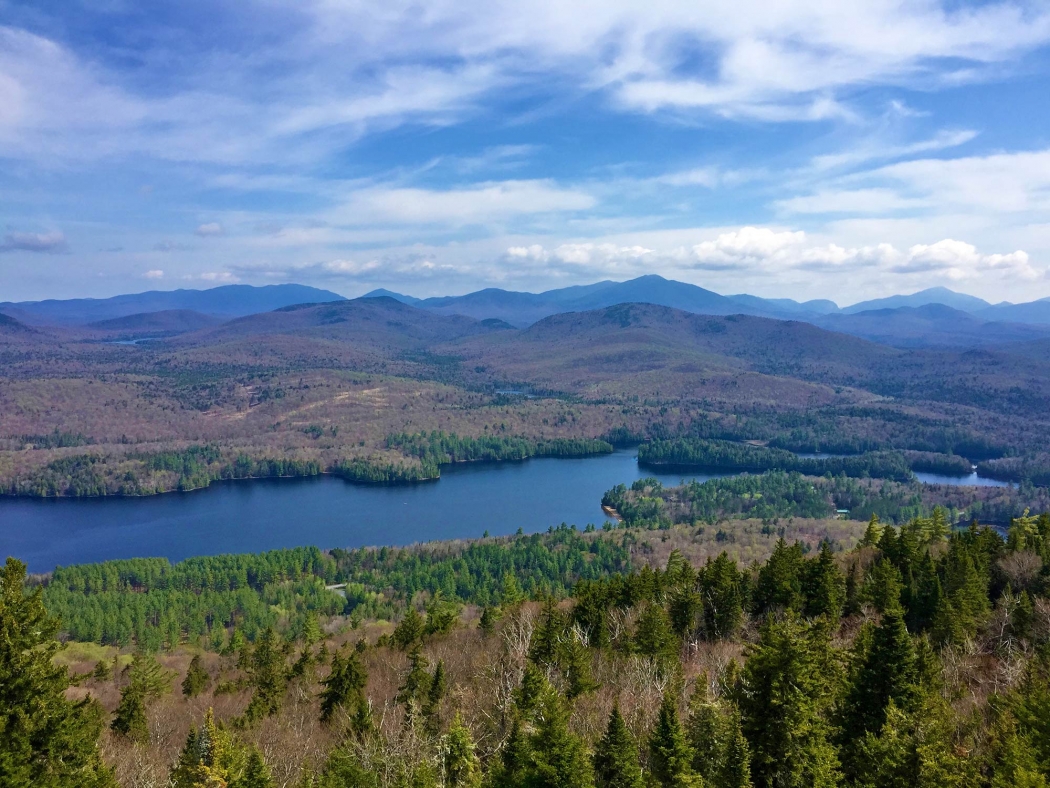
(155, 273)
(854, 201)
(209, 230)
(764, 252)
(486, 202)
(49, 243)
(222, 277)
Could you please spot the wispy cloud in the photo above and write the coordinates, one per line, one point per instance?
(47, 243)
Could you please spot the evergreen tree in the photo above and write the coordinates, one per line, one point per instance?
(575, 661)
(409, 631)
(884, 584)
(256, 773)
(653, 636)
(487, 622)
(616, 756)
(46, 741)
(783, 695)
(206, 759)
(824, 586)
(964, 603)
(735, 771)
(196, 680)
(558, 757)
(723, 602)
(435, 695)
(344, 685)
(412, 693)
(912, 751)
(267, 676)
(146, 681)
(545, 645)
(779, 584)
(462, 768)
(852, 602)
(872, 533)
(670, 757)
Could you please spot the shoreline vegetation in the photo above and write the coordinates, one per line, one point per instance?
(143, 474)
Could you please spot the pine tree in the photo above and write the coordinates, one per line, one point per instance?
(779, 584)
(412, 693)
(735, 771)
(852, 603)
(487, 622)
(435, 695)
(344, 685)
(884, 584)
(267, 676)
(462, 768)
(196, 680)
(670, 757)
(575, 662)
(146, 681)
(783, 694)
(206, 758)
(616, 756)
(684, 608)
(558, 757)
(723, 602)
(872, 533)
(824, 586)
(653, 636)
(409, 631)
(546, 640)
(256, 773)
(964, 603)
(46, 741)
(1013, 762)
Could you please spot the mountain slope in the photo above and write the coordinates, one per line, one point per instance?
(168, 321)
(932, 295)
(1033, 312)
(930, 325)
(226, 301)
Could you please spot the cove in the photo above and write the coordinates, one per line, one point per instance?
(265, 514)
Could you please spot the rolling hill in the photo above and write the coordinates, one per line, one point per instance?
(165, 322)
(225, 301)
(930, 325)
(932, 295)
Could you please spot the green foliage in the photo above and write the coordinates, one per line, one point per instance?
(197, 678)
(731, 456)
(267, 676)
(46, 741)
(344, 686)
(616, 756)
(670, 757)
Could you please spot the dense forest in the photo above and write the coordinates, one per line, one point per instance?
(780, 494)
(921, 657)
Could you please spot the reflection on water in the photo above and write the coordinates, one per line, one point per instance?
(250, 516)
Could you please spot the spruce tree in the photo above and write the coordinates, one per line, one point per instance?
(783, 695)
(435, 695)
(412, 693)
(575, 662)
(409, 631)
(344, 686)
(779, 583)
(616, 756)
(824, 586)
(670, 757)
(735, 771)
(46, 741)
(883, 586)
(872, 533)
(196, 680)
(461, 766)
(558, 757)
(653, 636)
(256, 774)
(723, 602)
(146, 681)
(267, 675)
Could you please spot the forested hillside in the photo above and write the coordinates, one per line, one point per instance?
(919, 657)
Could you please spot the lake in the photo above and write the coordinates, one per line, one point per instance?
(255, 515)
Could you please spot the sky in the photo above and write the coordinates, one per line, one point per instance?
(783, 148)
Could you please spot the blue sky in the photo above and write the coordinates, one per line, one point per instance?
(800, 148)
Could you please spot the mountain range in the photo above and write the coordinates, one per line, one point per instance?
(933, 317)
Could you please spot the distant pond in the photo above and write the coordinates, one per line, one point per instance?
(257, 515)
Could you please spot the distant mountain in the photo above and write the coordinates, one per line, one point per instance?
(382, 292)
(226, 301)
(375, 322)
(9, 325)
(931, 325)
(524, 309)
(787, 306)
(168, 321)
(932, 295)
(1032, 312)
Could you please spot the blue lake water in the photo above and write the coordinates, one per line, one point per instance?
(256, 515)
